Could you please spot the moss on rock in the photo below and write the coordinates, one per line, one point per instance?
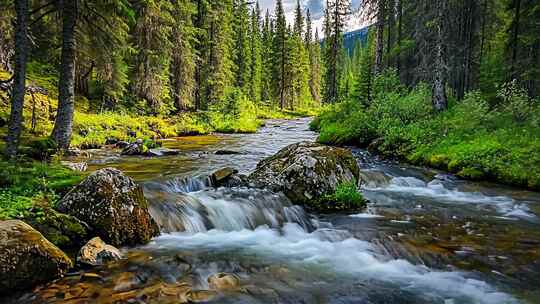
(306, 171)
(114, 206)
(27, 258)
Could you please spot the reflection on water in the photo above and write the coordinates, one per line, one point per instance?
(426, 237)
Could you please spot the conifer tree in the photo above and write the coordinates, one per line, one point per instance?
(255, 83)
(267, 57)
(151, 34)
(242, 49)
(337, 12)
(219, 64)
(182, 71)
(279, 54)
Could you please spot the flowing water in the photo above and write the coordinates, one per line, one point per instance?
(426, 237)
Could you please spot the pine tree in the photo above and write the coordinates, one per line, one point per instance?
(316, 68)
(267, 57)
(183, 38)
(242, 49)
(338, 10)
(151, 34)
(255, 83)
(219, 64)
(279, 54)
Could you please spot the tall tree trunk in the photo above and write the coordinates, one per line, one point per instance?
(439, 98)
(399, 35)
(379, 48)
(515, 38)
(66, 85)
(282, 83)
(19, 86)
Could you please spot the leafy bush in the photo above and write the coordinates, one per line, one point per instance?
(345, 197)
(469, 139)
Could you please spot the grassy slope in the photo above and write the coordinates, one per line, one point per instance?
(471, 139)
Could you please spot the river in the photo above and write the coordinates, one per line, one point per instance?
(426, 237)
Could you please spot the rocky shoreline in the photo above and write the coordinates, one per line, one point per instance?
(108, 209)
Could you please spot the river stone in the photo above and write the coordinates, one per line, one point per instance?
(27, 258)
(96, 253)
(136, 148)
(306, 171)
(114, 206)
(224, 281)
(221, 175)
(162, 152)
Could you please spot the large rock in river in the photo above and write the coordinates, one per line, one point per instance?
(306, 171)
(114, 206)
(27, 258)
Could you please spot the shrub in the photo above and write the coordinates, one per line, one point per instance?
(469, 139)
(345, 197)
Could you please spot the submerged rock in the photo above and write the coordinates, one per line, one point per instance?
(27, 258)
(114, 206)
(136, 148)
(226, 152)
(306, 171)
(96, 253)
(224, 281)
(162, 152)
(228, 177)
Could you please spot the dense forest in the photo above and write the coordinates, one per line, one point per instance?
(448, 84)
(452, 84)
(156, 58)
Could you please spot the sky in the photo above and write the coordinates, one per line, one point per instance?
(316, 8)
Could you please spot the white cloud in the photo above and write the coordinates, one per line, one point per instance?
(316, 8)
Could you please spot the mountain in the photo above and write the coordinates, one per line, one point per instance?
(350, 38)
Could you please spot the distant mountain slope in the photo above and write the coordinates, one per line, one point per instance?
(350, 39)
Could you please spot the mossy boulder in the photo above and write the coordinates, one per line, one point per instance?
(114, 206)
(27, 258)
(63, 230)
(306, 171)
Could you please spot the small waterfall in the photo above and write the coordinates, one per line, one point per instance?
(189, 205)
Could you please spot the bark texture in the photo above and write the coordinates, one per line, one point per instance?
(19, 87)
(66, 99)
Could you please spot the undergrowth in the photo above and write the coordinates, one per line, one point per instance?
(472, 139)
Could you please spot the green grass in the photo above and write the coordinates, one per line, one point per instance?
(23, 183)
(471, 139)
(346, 197)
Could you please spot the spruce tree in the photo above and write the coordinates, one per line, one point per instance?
(337, 12)
(242, 48)
(151, 35)
(183, 38)
(279, 54)
(267, 57)
(256, 53)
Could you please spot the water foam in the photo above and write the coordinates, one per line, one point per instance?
(436, 189)
(337, 252)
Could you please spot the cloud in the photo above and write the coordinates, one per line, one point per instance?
(316, 8)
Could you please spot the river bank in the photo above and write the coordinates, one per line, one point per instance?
(474, 139)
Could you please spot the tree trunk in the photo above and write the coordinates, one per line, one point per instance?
(399, 35)
(19, 86)
(66, 85)
(379, 48)
(515, 38)
(439, 99)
